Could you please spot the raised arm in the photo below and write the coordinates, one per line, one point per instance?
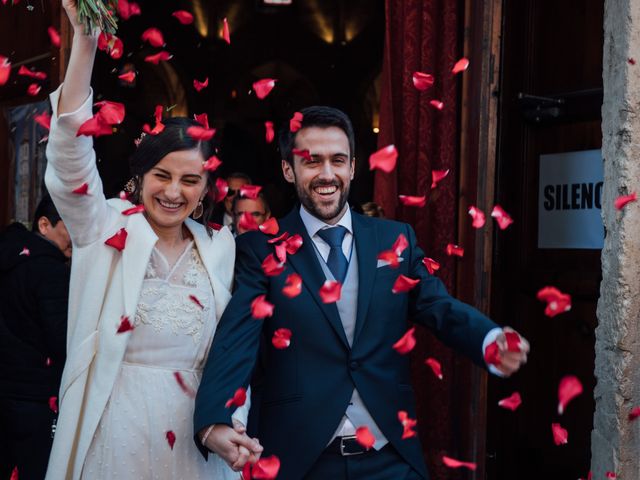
(70, 159)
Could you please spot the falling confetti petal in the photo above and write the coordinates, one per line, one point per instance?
(492, 354)
(271, 267)
(557, 302)
(269, 134)
(569, 388)
(281, 338)
(512, 402)
(270, 226)
(261, 308)
(239, 398)
(560, 435)
(502, 217)
(453, 463)
(128, 77)
(422, 81)
(330, 291)
(400, 244)
(183, 385)
(407, 424)
(25, 251)
(623, 200)
(222, 188)
(404, 284)
(384, 159)
(406, 342)
(250, 191)
(198, 85)
(184, 17)
(460, 66)
(292, 286)
(296, 122)
(302, 153)
(263, 87)
(225, 31)
(125, 325)
(5, 70)
(431, 265)
(33, 89)
(82, 189)
(171, 438)
(53, 404)
(455, 250)
(24, 71)
(435, 367)
(118, 240)
(478, 217)
(248, 222)
(43, 119)
(195, 300)
(212, 164)
(162, 56)
(410, 201)
(437, 104)
(266, 468)
(201, 133)
(153, 36)
(293, 244)
(54, 36)
(634, 413)
(436, 176)
(365, 438)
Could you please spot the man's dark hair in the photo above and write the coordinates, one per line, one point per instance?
(47, 209)
(317, 116)
(241, 176)
(261, 198)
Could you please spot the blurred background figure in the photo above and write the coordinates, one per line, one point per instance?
(224, 215)
(34, 289)
(372, 209)
(258, 209)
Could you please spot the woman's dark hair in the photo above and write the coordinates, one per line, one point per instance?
(47, 209)
(174, 138)
(317, 116)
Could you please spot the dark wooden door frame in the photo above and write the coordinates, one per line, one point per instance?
(478, 144)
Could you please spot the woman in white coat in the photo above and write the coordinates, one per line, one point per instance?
(147, 290)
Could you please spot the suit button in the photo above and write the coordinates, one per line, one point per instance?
(354, 365)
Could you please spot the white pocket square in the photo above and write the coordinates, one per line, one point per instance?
(384, 263)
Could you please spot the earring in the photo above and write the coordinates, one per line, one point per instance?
(198, 211)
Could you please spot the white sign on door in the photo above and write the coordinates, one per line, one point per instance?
(570, 200)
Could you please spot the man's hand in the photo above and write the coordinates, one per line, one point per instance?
(511, 359)
(233, 445)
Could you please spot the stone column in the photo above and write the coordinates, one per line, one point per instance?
(615, 441)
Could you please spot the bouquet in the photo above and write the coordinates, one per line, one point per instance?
(98, 14)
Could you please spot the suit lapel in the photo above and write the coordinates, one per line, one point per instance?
(305, 262)
(366, 248)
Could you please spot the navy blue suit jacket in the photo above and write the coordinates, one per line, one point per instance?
(299, 394)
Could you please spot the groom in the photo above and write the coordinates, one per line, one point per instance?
(340, 370)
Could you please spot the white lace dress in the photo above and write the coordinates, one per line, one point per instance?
(172, 333)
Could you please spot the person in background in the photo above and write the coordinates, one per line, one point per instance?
(224, 215)
(34, 290)
(258, 209)
(372, 209)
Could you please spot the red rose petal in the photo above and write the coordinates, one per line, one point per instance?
(460, 66)
(48, 362)
(293, 244)
(215, 226)
(492, 354)
(282, 237)
(272, 267)
(212, 164)
(560, 435)
(623, 200)
(125, 325)
(162, 56)
(512, 402)
(33, 89)
(95, 127)
(184, 17)
(198, 85)
(82, 189)
(222, 188)
(269, 134)
(502, 217)
(400, 244)
(296, 122)
(330, 291)
(435, 367)
(247, 222)
(410, 201)
(384, 159)
(14, 472)
(128, 77)
(171, 438)
(365, 438)
(631, 61)
(202, 119)
(404, 284)
(431, 265)
(153, 36)
(53, 404)
(281, 251)
(453, 463)
(455, 250)
(201, 133)
(569, 388)
(261, 308)
(127, 9)
(422, 81)
(5, 70)
(634, 413)
(263, 87)
(239, 398)
(557, 302)
(54, 36)
(225, 31)
(266, 468)
(112, 113)
(270, 226)
(406, 342)
(111, 44)
(292, 286)
(25, 72)
(118, 240)
(250, 191)
(183, 385)
(407, 425)
(281, 338)
(390, 257)
(195, 300)
(436, 176)
(302, 153)
(478, 217)
(514, 342)
(25, 251)
(610, 475)
(437, 104)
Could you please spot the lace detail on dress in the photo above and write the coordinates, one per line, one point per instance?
(168, 296)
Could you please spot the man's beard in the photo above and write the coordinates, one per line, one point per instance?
(318, 212)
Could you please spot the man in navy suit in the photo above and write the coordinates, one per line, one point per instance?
(340, 371)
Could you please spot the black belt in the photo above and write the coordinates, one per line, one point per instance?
(345, 446)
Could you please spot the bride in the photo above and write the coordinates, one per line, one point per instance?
(148, 286)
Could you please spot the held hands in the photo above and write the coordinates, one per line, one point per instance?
(512, 354)
(234, 445)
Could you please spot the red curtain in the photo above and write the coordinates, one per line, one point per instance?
(423, 36)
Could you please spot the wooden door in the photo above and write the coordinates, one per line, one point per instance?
(550, 96)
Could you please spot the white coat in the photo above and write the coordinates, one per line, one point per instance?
(105, 285)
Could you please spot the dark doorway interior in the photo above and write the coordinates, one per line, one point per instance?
(554, 50)
(327, 52)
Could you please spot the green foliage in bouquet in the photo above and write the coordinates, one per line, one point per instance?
(98, 14)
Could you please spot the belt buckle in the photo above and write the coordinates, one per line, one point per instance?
(342, 452)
